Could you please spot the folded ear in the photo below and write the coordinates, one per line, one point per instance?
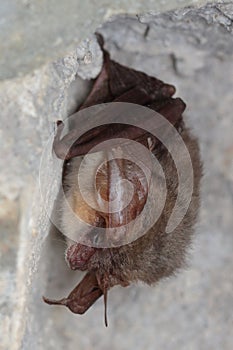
(82, 296)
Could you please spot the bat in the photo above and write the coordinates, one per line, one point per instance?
(156, 254)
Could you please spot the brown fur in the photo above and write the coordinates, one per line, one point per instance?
(157, 254)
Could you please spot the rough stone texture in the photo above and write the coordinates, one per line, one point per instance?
(34, 32)
(30, 105)
(193, 49)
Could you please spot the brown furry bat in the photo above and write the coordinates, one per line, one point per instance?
(156, 254)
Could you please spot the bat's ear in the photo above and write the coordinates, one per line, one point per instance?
(82, 296)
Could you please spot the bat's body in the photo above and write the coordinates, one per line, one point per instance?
(156, 254)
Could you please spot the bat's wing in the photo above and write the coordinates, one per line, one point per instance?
(117, 83)
(120, 83)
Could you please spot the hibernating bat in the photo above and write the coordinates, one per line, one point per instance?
(156, 254)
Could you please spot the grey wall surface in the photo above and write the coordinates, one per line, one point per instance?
(34, 32)
(191, 48)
